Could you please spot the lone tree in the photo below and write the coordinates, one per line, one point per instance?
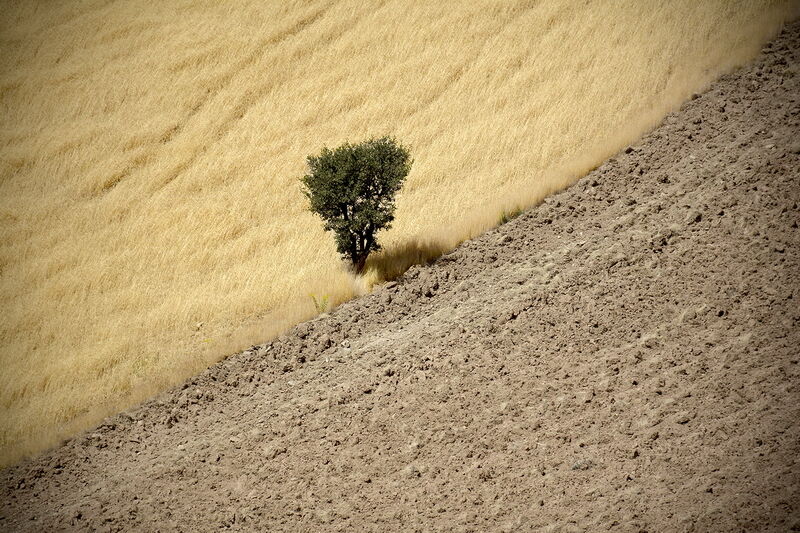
(352, 188)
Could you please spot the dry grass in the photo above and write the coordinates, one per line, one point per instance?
(150, 155)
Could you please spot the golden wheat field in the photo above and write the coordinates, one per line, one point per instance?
(150, 211)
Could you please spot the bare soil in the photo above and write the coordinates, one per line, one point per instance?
(623, 357)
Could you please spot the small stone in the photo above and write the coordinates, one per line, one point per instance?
(650, 341)
(694, 217)
(584, 464)
(271, 452)
(325, 341)
(412, 471)
(688, 315)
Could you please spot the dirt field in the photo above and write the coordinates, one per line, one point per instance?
(623, 357)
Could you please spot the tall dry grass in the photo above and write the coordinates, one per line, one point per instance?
(150, 153)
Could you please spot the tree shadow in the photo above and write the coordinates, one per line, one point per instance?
(390, 263)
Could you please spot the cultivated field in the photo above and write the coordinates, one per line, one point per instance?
(150, 215)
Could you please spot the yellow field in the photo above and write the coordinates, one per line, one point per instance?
(150, 152)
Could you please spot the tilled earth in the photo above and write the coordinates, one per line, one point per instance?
(623, 357)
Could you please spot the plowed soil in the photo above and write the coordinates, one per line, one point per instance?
(623, 357)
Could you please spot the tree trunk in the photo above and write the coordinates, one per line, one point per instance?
(359, 264)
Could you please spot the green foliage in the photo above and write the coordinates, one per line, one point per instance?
(352, 188)
(506, 216)
(321, 305)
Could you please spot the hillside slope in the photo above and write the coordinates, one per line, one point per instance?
(151, 219)
(622, 357)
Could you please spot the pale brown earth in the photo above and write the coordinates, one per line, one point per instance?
(623, 357)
